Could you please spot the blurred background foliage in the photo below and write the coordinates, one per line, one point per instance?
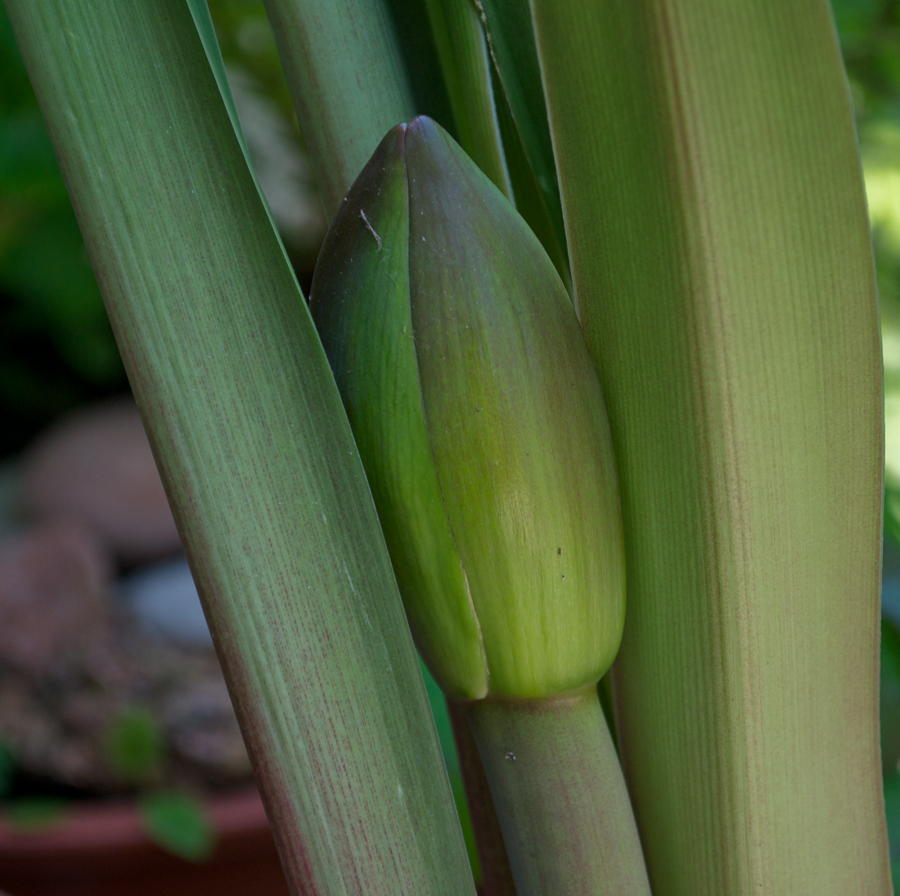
(57, 349)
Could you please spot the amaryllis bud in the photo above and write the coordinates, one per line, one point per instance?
(480, 422)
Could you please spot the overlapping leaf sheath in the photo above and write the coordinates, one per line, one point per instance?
(480, 422)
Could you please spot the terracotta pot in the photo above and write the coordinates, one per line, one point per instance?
(101, 849)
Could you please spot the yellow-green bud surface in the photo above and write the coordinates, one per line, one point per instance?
(480, 421)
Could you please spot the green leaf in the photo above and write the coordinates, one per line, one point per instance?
(723, 274)
(348, 81)
(441, 723)
(8, 766)
(529, 198)
(135, 746)
(510, 36)
(207, 34)
(253, 447)
(881, 163)
(451, 761)
(892, 808)
(420, 58)
(463, 51)
(890, 696)
(179, 824)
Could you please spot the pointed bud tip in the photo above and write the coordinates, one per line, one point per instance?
(424, 128)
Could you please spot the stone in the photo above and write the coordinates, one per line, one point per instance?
(96, 466)
(54, 595)
(164, 599)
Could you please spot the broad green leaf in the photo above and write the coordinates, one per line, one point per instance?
(207, 33)
(451, 761)
(892, 807)
(35, 814)
(253, 447)
(420, 59)
(529, 199)
(135, 746)
(723, 273)
(8, 765)
(881, 164)
(890, 696)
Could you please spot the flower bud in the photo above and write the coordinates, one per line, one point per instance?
(480, 421)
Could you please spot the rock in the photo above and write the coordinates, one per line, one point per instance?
(164, 599)
(96, 466)
(76, 656)
(54, 584)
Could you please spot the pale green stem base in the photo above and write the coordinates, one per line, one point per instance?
(560, 796)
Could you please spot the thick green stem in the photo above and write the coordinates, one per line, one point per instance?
(560, 796)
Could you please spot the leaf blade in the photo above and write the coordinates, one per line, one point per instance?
(723, 275)
(508, 29)
(348, 82)
(254, 449)
(463, 52)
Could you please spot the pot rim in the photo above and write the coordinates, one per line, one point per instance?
(111, 825)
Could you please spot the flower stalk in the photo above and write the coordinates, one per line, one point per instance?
(556, 782)
(481, 424)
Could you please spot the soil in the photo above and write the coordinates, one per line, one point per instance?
(57, 725)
